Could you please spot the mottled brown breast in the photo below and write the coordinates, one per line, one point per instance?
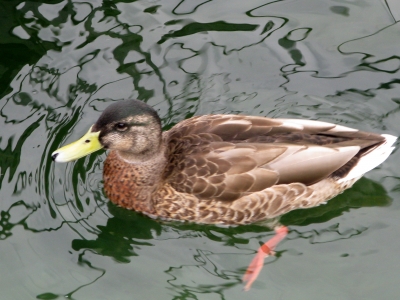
(129, 185)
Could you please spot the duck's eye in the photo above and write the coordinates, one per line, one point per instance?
(121, 126)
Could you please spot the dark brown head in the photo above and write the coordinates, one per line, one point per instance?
(131, 127)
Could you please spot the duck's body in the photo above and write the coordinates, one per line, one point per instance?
(166, 198)
(228, 169)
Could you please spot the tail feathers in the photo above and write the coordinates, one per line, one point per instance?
(372, 159)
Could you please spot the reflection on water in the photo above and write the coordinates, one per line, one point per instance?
(127, 235)
(62, 62)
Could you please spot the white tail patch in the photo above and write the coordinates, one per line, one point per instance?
(372, 159)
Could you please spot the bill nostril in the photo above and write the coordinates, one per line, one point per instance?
(54, 156)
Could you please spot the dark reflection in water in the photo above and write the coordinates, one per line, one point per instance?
(126, 232)
(125, 229)
(341, 10)
(366, 193)
(62, 62)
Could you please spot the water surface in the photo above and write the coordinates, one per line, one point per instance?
(63, 62)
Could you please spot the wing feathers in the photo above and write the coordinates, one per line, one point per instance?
(311, 164)
(224, 157)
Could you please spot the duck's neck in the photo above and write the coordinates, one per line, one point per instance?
(131, 183)
(144, 154)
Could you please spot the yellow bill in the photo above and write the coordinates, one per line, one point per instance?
(87, 144)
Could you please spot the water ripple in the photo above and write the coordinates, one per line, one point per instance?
(63, 62)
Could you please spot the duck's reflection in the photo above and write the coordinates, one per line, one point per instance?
(128, 233)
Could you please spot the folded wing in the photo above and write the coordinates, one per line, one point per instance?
(224, 157)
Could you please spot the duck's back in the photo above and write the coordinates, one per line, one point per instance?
(225, 157)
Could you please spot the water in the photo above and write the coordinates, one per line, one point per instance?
(63, 62)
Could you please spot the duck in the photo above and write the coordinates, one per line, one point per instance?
(225, 169)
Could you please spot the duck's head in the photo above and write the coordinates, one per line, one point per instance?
(131, 127)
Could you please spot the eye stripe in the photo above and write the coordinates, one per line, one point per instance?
(139, 124)
(121, 126)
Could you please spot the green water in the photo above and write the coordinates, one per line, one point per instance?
(63, 62)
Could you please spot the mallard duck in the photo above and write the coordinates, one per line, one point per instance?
(224, 169)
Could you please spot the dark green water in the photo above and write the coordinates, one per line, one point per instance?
(63, 62)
